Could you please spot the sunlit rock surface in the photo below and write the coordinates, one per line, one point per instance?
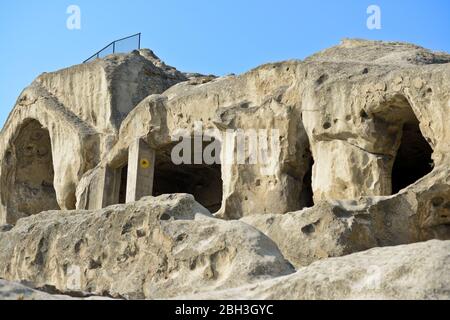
(357, 139)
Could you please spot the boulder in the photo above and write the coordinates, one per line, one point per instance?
(154, 248)
(410, 272)
(17, 291)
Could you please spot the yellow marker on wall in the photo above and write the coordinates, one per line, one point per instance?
(145, 164)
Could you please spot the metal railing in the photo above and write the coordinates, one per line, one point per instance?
(134, 42)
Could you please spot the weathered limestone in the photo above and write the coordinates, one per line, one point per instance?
(14, 291)
(82, 108)
(415, 272)
(337, 228)
(362, 111)
(278, 185)
(356, 140)
(347, 125)
(34, 172)
(17, 292)
(119, 81)
(155, 248)
(67, 137)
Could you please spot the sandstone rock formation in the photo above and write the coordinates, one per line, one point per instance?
(16, 291)
(414, 272)
(343, 152)
(70, 119)
(340, 227)
(353, 121)
(155, 248)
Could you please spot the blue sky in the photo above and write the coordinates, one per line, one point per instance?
(217, 37)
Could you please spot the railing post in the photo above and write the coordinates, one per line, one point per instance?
(139, 45)
(114, 47)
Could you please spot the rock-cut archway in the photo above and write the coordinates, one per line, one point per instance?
(28, 164)
(412, 158)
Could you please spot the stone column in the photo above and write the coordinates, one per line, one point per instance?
(111, 188)
(141, 169)
(92, 197)
(101, 191)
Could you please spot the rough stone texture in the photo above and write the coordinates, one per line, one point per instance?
(78, 111)
(345, 115)
(120, 82)
(362, 162)
(357, 110)
(155, 248)
(413, 272)
(342, 119)
(324, 231)
(16, 291)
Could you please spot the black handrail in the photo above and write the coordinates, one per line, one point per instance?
(113, 44)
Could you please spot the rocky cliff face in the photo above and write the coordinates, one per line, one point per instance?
(354, 156)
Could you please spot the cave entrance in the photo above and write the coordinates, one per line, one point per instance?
(123, 181)
(399, 125)
(307, 194)
(30, 172)
(414, 157)
(203, 181)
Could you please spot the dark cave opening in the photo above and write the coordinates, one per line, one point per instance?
(203, 181)
(414, 158)
(123, 184)
(303, 175)
(307, 195)
(31, 186)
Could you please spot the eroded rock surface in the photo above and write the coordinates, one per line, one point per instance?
(362, 119)
(16, 291)
(155, 248)
(337, 228)
(414, 272)
(357, 141)
(75, 114)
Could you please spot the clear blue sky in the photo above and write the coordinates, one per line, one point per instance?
(208, 36)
